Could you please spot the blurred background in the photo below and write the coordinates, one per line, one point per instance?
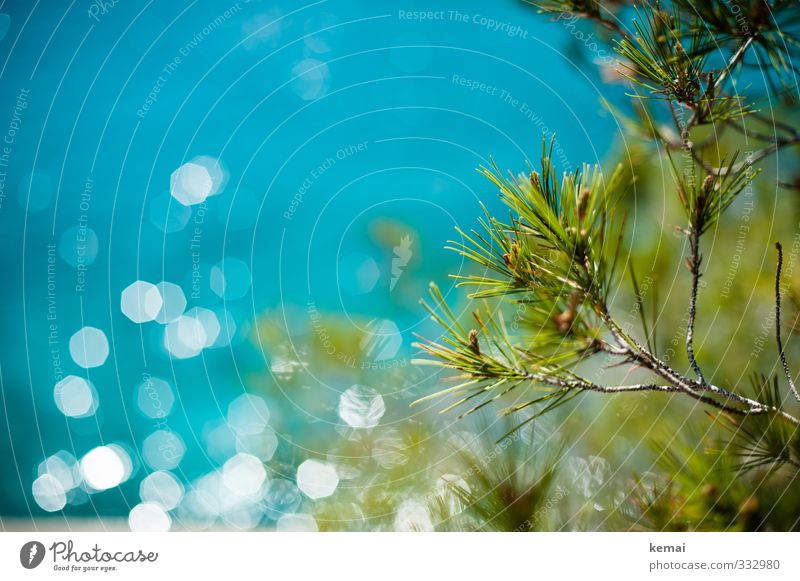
(217, 222)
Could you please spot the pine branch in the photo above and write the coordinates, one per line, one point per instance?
(508, 369)
(554, 255)
(659, 62)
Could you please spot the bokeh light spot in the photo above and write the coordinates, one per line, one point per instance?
(216, 171)
(103, 468)
(382, 340)
(248, 414)
(89, 347)
(149, 517)
(75, 397)
(161, 488)
(63, 467)
(173, 302)
(311, 79)
(78, 246)
(244, 474)
(141, 302)
(48, 493)
(191, 184)
(358, 273)
(261, 445)
(282, 498)
(230, 279)
(168, 215)
(163, 450)
(209, 323)
(361, 407)
(154, 397)
(317, 479)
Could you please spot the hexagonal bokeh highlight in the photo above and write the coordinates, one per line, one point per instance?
(155, 398)
(317, 479)
(75, 397)
(361, 407)
(244, 475)
(161, 488)
(358, 273)
(141, 302)
(382, 340)
(248, 414)
(105, 467)
(173, 302)
(191, 184)
(210, 323)
(163, 450)
(149, 517)
(89, 347)
(230, 279)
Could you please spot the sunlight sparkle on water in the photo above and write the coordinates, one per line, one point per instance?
(103, 467)
(149, 517)
(48, 493)
(191, 184)
(161, 488)
(89, 347)
(317, 479)
(361, 407)
(244, 474)
(248, 414)
(173, 302)
(141, 302)
(75, 397)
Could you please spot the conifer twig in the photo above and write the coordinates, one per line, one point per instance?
(778, 338)
(694, 269)
(638, 354)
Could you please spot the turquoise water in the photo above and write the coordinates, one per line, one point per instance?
(331, 149)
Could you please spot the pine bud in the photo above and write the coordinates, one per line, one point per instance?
(536, 183)
(583, 202)
(473, 342)
(709, 489)
(564, 320)
(510, 257)
(749, 506)
(708, 184)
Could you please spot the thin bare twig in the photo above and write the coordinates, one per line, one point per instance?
(778, 338)
(642, 357)
(694, 268)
